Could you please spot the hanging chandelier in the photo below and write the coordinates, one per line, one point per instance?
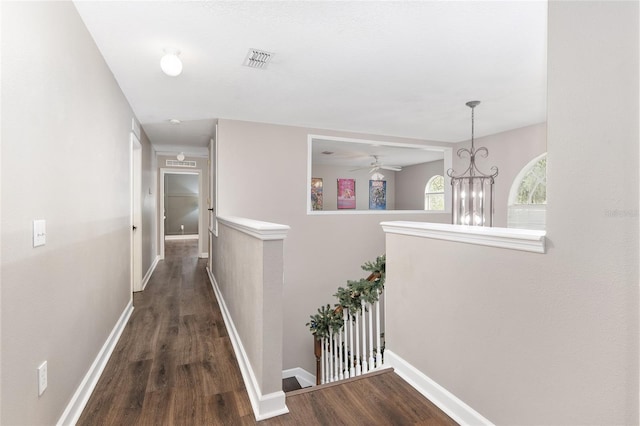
(472, 190)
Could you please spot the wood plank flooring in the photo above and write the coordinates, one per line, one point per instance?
(174, 365)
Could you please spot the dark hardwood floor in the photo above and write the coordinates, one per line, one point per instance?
(174, 365)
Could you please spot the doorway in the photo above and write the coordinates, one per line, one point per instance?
(180, 195)
(136, 213)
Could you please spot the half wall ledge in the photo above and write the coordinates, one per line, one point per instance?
(262, 230)
(508, 238)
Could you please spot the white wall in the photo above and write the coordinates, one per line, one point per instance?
(255, 162)
(411, 183)
(551, 338)
(248, 272)
(60, 301)
(149, 193)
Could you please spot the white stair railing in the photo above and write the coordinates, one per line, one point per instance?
(352, 350)
(349, 338)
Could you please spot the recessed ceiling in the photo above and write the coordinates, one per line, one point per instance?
(354, 154)
(388, 68)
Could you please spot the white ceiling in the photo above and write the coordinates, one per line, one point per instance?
(388, 68)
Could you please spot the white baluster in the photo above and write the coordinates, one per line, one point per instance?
(325, 351)
(378, 332)
(364, 341)
(345, 356)
(352, 368)
(330, 355)
(335, 359)
(322, 358)
(357, 360)
(340, 366)
(371, 361)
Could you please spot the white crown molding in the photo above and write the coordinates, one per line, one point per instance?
(262, 230)
(508, 238)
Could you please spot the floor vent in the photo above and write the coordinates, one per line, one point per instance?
(177, 163)
(257, 59)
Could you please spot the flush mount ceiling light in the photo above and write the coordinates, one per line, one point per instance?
(170, 63)
(175, 121)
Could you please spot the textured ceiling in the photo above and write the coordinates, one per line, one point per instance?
(388, 68)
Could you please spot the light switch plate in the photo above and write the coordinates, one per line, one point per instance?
(42, 378)
(39, 232)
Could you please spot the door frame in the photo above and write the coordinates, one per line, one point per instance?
(135, 220)
(213, 195)
(161, 216)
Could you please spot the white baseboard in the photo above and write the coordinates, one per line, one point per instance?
(442, 398)
(203, 255)
(303, 377)
(77, 403)
(181, 237)
(147, 276)
(264, 406)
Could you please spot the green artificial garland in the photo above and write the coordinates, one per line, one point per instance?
(350, 298)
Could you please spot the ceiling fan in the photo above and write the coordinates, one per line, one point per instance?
(377, 165)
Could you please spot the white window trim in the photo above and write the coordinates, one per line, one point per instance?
(515, 185)
(525, 216)
(427, 194)
(448, 163)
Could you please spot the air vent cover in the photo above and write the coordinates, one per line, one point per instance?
(177, 163)
(257, 58)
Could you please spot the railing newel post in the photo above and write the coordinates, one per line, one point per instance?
(317, 351)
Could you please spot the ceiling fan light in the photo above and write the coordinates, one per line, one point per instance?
(170, 63)
(377, 176)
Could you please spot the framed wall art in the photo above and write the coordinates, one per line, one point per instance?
(346, 193)
(377, 195)
(316, 193)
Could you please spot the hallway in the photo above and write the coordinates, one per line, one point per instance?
(174, 365)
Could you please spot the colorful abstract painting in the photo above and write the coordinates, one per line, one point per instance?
(316, 193)
(377, 195)
(346, 193)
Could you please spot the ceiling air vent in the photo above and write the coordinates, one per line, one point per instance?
(257, 59)
(177, 163)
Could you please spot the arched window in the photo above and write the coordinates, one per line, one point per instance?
(434, 193)
(528, 196)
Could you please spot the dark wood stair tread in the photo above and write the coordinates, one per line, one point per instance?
(290, 384)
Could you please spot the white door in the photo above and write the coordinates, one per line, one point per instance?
(136, 214)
